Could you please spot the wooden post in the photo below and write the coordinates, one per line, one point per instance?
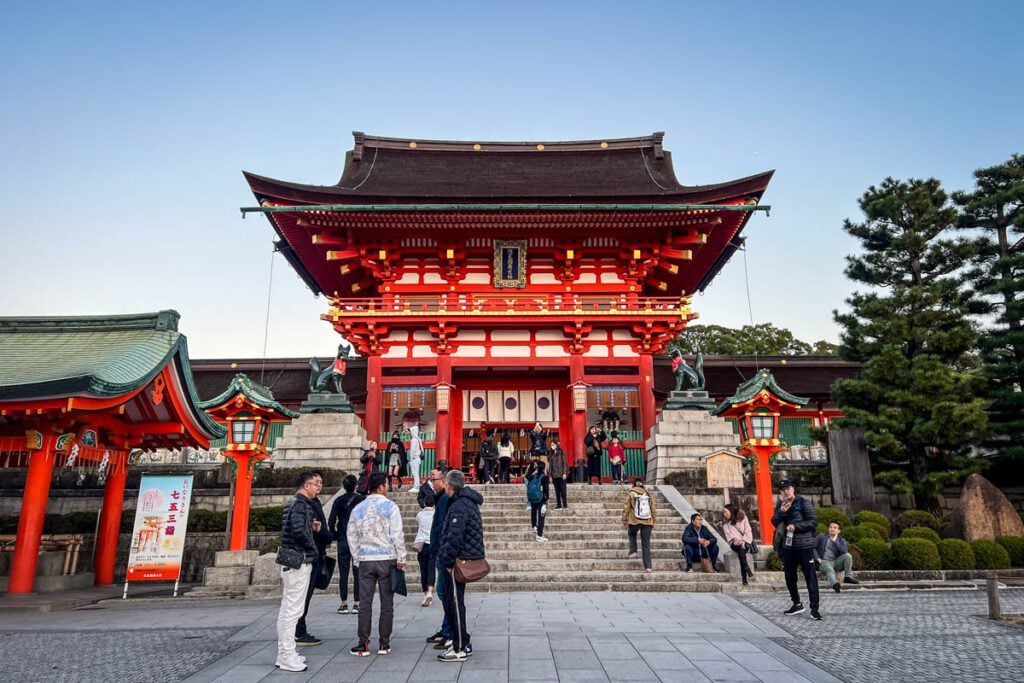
(765, 507)
(648, 411)
(109, 527)
(579, 417)
(992, 586)
(30, 524)
(374, 397)
(243, 499)
(442, 432)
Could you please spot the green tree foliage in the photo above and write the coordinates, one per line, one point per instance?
(916, 395)
(955, 554)
(995, 211)
(749, 340)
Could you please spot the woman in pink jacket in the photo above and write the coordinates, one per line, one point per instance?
(739, 536)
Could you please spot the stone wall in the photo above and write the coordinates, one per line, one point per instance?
(91, 500)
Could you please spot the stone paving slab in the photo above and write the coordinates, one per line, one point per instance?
(911, 635)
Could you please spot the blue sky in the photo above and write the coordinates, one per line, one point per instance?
(126, 126)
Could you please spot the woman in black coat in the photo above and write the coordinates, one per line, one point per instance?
(594, 441)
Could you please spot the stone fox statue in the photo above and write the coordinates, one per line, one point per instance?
(319, 379)
(693, 377)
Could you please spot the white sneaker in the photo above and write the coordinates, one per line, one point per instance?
(541, 539)
(631, 556)
(293, 663)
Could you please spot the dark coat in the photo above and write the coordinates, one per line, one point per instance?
(297, 527)
(691, 535)
(803, 517)
(324, 537)
(489, 449)
(589, 441)
(822, 543)
(557, 465)
(538, 442)
(463, 534)
(341, 510)
(403, 458)
(370, 460)
(440, 512)
(544, 480)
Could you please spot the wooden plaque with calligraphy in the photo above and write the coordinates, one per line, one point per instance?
(510, 264)
(725, 470)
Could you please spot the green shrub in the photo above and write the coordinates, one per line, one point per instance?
(916, 518)
(860, 532)
(869, 517)
(829, 515)
(874, 554)
(773, 562)
(284, 477)
(915, 553)
(989, 555)
(921, 532)
(266, 518)
(1014, 548)
(896, 481)
(883, 531)
(207, 521)
(955, 554)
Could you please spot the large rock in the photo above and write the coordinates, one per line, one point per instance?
(984, 512)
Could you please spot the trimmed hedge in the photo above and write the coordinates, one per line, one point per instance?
(874, 554)
(916, 518)
(955, 554)
(915, 553)
(869, 517)
(921, 532)
(860, 532)
(989, 555)
(827, 515)
(883, 531)
(773, 562)
(1014, 548)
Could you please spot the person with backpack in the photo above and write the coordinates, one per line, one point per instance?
(537, 495)
(369, 461)
(489, 457)
(506, 449)
(559, 472)
(796, 524)
(639, 516)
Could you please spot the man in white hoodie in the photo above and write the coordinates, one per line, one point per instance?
(377, 545)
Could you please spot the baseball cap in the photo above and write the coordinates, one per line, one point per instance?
(785, 483)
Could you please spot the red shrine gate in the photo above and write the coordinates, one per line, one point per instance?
(467, 271)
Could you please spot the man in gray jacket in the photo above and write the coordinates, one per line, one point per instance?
(832, 553)
(796, 524)
(377, 545)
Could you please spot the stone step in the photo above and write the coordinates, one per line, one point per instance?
(621, 544)
(596, 586)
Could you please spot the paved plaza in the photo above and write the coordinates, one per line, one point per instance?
(549, 636)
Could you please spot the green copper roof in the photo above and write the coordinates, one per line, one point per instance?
(753, 386)
(257, 393)
(93, 356)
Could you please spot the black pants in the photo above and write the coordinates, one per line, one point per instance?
(537, 519)
(645, 541)
(560, 487)
(804, 559)
(617, 472)
(300, 627)
(593, 468)
(426, 567)
(741, 552)
(488, 470)
(454, 600)
(504, 470)
(344, 564)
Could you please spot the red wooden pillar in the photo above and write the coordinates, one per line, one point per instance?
(579, 417)
(763, 482)
(442, 433)
(455, 418)
(30, 524)
(374, 397)
(110, 522)
(648, 413)
(243, 499)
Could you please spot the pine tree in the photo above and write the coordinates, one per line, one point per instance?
(916, 394)
(995, 209)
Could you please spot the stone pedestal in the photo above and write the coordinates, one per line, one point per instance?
(230, 575)
(689, 400)
(330, 440)
(326, 403)
(681, 437)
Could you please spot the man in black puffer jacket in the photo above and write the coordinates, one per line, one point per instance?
(298, 526)
(462, 537)
(796, 527)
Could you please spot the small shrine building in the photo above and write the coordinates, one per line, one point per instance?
(493, 285)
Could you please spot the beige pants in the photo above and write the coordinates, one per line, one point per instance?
(293, 601)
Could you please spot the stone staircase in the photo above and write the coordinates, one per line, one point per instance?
(586, 549)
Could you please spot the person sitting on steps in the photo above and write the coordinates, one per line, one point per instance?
(832, 553)
(698, 543)
(739, 536)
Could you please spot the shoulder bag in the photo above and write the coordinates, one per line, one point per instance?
(470, 571)
(289, 557)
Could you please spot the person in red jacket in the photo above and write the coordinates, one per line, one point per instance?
(617, 457)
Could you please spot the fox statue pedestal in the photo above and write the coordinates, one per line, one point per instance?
(328, 439)
(681, 436)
